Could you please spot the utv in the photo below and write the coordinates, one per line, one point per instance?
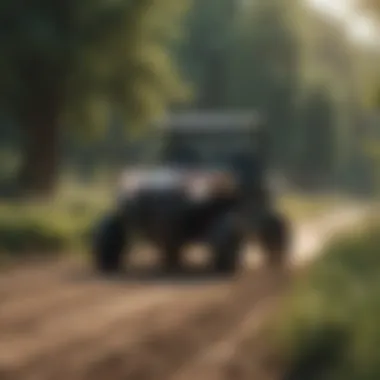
(202, 181)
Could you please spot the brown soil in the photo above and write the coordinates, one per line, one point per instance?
(59, 322)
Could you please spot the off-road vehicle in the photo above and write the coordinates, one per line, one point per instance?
(205, 182)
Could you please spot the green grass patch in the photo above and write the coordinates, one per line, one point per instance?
(329, 327)
(61, 224)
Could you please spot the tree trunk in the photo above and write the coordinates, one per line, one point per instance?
(39, 173)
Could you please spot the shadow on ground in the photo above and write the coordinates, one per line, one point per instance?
(153, 276)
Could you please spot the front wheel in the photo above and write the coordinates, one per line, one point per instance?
(226, 243)
(274, 238)
(108, 245)
(172, 258)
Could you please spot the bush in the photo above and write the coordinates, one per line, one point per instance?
(329, 328)
(63, 224)
(29, 235)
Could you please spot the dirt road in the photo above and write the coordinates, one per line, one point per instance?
(58, 322)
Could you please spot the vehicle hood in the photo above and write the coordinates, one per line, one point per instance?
(193, 181)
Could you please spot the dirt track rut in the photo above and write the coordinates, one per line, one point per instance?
(55, 325)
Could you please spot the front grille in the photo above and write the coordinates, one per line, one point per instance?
(160, 213)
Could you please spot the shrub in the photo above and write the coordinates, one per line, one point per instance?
(62, 224)
(329, 328)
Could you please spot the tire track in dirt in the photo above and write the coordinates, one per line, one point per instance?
(66, 328)
(162, 353)
(143, 321)
(152, 331)
(86, 359)
(14, 272)
(23, 282)
(50, 289)
(253, 357)
(25, 314)
(214, 362)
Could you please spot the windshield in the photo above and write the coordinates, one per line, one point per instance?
(194, 149)
(207, 149)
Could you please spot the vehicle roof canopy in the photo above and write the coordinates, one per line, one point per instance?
(210, 121)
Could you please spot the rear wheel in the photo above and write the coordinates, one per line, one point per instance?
(274, 238)
(226, 242)
(109, 243)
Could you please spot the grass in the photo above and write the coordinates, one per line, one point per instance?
(329, 325)
(63, 224)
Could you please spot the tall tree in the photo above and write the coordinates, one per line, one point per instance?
(265, 69)
(204, 55)
(77, 62)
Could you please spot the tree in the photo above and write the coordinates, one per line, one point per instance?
(204, 53)
(315, 157)
(75, 63)
(264, 73)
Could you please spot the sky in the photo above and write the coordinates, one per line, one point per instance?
(359, 27)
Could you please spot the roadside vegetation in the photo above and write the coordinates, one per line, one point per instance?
(61, 225)
(329, 326)
(64, 224)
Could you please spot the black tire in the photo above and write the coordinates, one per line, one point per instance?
(274, 238)
(172, 258)
(109, 244)
(226, 243)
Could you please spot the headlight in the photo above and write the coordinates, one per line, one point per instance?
(199, 190)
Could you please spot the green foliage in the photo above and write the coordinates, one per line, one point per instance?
(290, 64)
(293, 65)
(63, 224)
(376, 97)
(89, 59)
(32, 235)
(83, 63)
(329, 326)
(208, 37)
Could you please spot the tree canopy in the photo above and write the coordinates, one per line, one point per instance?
(77, 63)
(113, 65)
